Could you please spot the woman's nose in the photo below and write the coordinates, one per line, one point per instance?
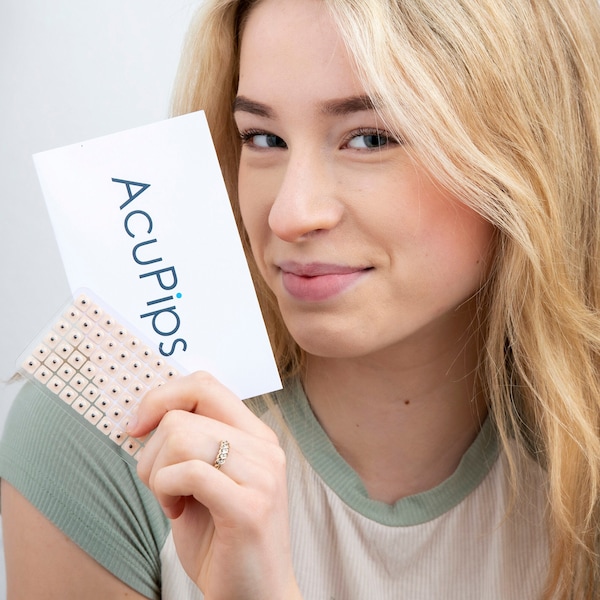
(307, 200)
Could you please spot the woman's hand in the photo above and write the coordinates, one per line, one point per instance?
(230, 525)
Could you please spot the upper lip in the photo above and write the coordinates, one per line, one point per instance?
(314, 269)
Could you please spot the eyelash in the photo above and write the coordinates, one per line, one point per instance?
(248, 135)
(390, 140)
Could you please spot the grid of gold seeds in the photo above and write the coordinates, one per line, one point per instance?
(97, 367)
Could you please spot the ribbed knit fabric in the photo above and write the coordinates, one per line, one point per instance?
(89, 492)
(455, 542)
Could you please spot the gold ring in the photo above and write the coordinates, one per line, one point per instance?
(222, 454)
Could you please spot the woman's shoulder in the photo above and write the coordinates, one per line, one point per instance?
(85, 489)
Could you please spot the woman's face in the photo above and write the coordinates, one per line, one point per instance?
(363, 251)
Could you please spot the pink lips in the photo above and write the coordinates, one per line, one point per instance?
(315, 282)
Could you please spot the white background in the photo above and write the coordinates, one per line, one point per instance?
(69, 71)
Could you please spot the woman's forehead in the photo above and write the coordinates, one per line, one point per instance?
(293, 47)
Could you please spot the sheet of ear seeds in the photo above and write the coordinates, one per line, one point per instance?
(97, 368)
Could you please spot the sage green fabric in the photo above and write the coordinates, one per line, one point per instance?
(344, 544)
(343, 480)
(86, 490)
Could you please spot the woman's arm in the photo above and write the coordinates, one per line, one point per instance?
(43, 563)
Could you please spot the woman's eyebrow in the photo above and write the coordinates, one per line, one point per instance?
(336, 107)
(241, 103)
(345, 106)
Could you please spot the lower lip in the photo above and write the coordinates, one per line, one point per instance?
(320, 287)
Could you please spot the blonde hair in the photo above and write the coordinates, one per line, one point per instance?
(500, 101)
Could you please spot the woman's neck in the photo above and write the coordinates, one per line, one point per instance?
(403, 418)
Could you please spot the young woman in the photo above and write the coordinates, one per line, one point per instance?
(417, 184)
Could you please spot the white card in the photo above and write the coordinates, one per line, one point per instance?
(142, 218)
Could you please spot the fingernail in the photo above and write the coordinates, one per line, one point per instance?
(131, 423)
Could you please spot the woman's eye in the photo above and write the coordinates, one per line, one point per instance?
(370, 140)
(262, 140)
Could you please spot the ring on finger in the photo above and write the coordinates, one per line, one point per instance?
(222, 454)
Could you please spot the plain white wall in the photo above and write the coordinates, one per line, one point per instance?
(69, 71)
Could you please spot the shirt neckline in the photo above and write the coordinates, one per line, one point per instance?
(337, 474)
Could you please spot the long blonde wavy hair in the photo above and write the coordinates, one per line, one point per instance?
(500, 100)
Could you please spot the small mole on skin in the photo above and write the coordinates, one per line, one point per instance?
(407, 402)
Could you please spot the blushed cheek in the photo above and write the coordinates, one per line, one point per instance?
(247, 202)
(255, 220)
(462, 241)
(257, 191)
(478, 250)
(471, 231)
(480, 237)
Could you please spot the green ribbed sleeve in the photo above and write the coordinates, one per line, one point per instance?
(85, 489)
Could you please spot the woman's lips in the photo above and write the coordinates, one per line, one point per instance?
(316, 282)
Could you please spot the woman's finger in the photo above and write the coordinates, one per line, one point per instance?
(184, 436)
(198, 393)
(171, 484)
(225, 498)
